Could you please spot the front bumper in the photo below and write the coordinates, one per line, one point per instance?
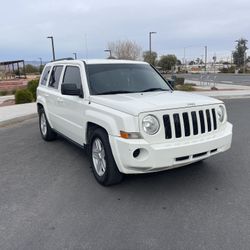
(158, 157)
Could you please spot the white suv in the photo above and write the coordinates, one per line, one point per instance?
(129, 117)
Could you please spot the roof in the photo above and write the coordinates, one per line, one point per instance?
(11, 62)
(97, 61)
(111, 61)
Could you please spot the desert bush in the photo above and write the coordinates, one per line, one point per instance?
(185, 87)
(23, 96)
(179, 81)
(3, 92)
(32, 86)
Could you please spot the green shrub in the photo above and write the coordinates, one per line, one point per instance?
(32, 86)
(3, 92)
(227, 70)
(13, 91)
(179, 81)
(185, 87)
(23, 96)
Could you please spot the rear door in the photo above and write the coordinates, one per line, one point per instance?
(53, 95)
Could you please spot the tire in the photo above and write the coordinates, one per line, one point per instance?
(102, 160)
(47, 132)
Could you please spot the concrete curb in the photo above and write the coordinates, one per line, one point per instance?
(232, 97)
(17, 120)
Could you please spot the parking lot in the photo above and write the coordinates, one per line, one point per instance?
(49, 198)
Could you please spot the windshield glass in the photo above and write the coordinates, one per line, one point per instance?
(124, 78)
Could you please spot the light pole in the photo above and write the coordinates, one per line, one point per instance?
(205, 58)
(150, 34)
(108, 50)
(75, 55)
(53, 48)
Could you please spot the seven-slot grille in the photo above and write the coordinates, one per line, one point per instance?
(184, 124)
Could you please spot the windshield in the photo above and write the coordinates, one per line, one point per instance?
(124, 78)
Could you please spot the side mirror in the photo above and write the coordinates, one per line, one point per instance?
(71, 89)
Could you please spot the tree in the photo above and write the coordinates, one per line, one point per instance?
(166, 62)
(239, 52)
(128, 50)
(150, 58)
(178, 62)
(198, 60)
(31, 69)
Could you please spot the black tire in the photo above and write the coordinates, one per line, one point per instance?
(47, 134)
(111, 174)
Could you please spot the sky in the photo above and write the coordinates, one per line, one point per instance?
(86, 27)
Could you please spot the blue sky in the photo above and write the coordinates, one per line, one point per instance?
(86, 27)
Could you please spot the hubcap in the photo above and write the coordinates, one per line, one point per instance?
(43, 124)
(98, 156)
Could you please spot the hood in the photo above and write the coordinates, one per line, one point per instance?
(136, 103)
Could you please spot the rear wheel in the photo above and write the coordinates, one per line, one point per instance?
(102, 160)
(46, 131)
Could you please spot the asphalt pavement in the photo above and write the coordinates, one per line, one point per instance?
(49, 198)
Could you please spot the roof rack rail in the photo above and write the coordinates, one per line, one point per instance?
(61, 59)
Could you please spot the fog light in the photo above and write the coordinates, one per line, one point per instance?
(136, 153)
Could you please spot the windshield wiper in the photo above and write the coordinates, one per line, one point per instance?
(154, 89)
(114, 92)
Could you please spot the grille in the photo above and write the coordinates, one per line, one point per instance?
(184, 124)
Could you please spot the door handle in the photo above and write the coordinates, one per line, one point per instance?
(46, 95)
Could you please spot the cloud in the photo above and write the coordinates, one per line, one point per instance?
(77, 23)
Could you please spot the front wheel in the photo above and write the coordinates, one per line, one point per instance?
(46, 131)
(102, 160)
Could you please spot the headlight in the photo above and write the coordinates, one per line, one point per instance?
(150, 124)
(221, 113)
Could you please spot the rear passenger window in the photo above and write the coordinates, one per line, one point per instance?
(55, 76)
(72, 75)
(45, 74)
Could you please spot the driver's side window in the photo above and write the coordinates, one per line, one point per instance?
(72, 75)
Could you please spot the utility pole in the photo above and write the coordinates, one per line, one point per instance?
(245, 58)
(150, 34)
(185, 62)
(53, 48)
(75, 55)
(206, 58)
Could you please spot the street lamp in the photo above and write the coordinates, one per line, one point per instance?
(75, 55)
(108, 50)
(150, 34)
(53, 48)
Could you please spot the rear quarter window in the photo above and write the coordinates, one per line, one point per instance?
(45, 75)
(55, 76)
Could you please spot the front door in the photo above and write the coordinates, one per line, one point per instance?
(71, 108)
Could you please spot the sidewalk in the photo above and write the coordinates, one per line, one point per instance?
(225, 91)
(6, 97)
(16, 113)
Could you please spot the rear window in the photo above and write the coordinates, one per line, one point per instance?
(55, 76)
(45, 74)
